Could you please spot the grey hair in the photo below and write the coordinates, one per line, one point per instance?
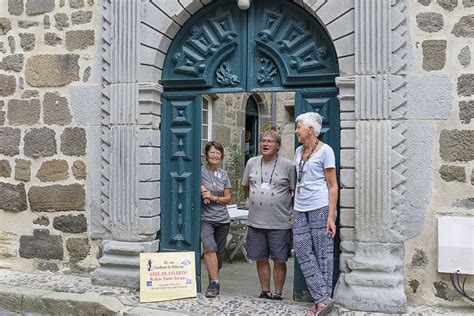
(273, 134)
(311, 119)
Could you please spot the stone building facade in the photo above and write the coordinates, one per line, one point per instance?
(442, 36)
(48, 84)
(80, 137)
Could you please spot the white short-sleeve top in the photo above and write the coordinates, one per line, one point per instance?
(312, 192)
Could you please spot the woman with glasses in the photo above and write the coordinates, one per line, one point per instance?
(215, 220)
(315, 211)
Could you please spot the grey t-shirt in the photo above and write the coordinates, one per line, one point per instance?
(270, 204)
(215, 182)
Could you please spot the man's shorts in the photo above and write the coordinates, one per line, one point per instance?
(268, 243)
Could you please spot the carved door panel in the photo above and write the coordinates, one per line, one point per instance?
(209, 52)
(324, 102)
(273, 46)
(287, 48)
(180, 197)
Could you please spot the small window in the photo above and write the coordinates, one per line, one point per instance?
(206, 119)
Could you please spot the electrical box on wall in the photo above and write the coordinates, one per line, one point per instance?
(456, 244)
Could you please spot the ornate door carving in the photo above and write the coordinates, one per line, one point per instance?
(275, 45)
(181, 121)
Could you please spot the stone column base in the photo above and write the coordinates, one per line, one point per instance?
(370, 297)
(374, 279)
(120, 263)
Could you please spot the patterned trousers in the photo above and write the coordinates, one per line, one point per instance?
(314, 251)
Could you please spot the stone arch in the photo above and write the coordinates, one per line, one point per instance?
(261, 99)
(372, 94)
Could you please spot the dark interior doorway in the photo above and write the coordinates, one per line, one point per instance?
(251, 129)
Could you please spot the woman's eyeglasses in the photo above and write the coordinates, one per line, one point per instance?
(214, 153)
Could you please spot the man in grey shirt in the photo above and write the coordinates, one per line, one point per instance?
(268, 182)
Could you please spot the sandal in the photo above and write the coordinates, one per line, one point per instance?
(312, 311)
(328, 305)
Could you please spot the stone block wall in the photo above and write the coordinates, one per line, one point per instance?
(47, 51)
(443, 39)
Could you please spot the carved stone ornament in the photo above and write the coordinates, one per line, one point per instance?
(225, 77)
(267, 71)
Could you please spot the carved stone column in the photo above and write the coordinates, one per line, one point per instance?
(372, 277)
(130, 151)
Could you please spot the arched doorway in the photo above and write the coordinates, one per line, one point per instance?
(127, 206)
(251, 129)
(273, 46)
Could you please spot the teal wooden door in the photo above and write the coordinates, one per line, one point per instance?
(274, 46)
(180, 197)
(323, 101)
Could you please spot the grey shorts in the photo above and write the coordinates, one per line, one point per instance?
(268, 243)
(214, 237)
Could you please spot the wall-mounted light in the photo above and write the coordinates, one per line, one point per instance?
(243, 4)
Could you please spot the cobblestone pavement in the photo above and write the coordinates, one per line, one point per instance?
(47, 293)
(76, 285)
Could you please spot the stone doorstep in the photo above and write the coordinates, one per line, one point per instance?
(60, 303)
(23, 299)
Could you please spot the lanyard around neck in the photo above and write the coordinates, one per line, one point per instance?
(213, 177)
(261, 170)
(303, 161)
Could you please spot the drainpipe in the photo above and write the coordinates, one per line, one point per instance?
(274, 111)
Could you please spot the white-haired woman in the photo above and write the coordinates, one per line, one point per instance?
(315, 211)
